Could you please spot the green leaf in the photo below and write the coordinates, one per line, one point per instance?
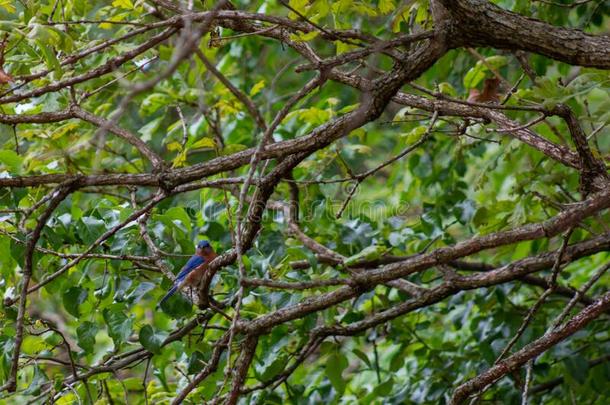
(300, 6)
(53, 339)
(38, 379)
(197, 361)
(274, 365)
(578, 367)
(386, 6)
(415, 134)
(11, 160)
(362, 356)
(126, 4)
(118, 17)
(44, 35)
(302, 37)
(6, 259)
(397, 361)
(180, 159)
(137, 294)
(177, 306)
(179, 214)
(550, 92)
(477, 73)
(8, 26)
(151, 340)
(368, 253)
(73, 298)
(364, 9)
(86, 333)
(335, 364)
(89, 228)
(400, 18)
(233, 148)
(204, 143)
(149, 129)
(385, 388)
(104, 291)
(447, 88)
(154, 102)
(119, 325)
(47, 40)
(342, 47)
(258, 87)
(8, 5)
(122, 284)
(17, 251)
(481, 217)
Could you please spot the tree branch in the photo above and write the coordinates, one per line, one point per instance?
(532, 350)
(134, 140)
(482, 23)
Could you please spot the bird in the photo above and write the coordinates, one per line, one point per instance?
(489, 93)
(193, 270)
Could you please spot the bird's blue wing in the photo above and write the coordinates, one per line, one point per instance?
(194, 262)
(171, 292)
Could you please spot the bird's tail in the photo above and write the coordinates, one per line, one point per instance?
(171, 292)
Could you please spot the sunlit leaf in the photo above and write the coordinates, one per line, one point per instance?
(11, 160)
(257, 88)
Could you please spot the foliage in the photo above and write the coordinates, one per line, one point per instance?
(466, 177)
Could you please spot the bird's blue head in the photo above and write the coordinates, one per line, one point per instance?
(204, 248)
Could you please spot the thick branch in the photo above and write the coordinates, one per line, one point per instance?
(559, 153)
(548, 228)
(58, 196)
(42, 118)
(593, 170)
(511, 272)
(240, 370)
(482, 23)
(532, 350)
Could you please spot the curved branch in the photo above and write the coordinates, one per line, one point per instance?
(107, 67)
(511, 272)
(556, 152)
(134, 140)
(418, 263)
(58, 196)
(482, 23)
(240, 370)
(245, 100)
(532, 350)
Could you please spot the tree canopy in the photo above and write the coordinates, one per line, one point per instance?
(409, 201)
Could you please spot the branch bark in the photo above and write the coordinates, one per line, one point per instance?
(532, 350)
(482, 23)
(58, 196)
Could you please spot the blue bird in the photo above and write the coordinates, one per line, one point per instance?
(193, 270)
